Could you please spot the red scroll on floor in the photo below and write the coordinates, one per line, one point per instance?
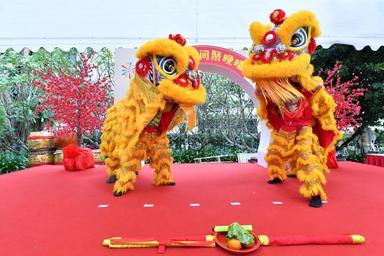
(303, 240)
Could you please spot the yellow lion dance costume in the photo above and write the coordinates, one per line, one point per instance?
(165, 90)
(294, 104)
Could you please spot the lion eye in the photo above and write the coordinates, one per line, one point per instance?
(299, 38)
(167, 64)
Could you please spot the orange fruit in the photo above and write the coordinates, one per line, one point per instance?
(234, 244)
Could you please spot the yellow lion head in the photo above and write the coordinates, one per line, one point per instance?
(281, 53)
(172, 67)
(282, 50)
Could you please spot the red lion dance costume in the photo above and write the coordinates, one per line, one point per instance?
(294, 104)
(165, 89)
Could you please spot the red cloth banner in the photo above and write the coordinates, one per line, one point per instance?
(374, 159)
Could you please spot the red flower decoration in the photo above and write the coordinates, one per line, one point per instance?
(277, 16)
(267, 58)
(287, 55)
(312, 46)
(178, 38)
(255, 58)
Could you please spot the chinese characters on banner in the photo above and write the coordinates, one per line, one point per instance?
(221, 57)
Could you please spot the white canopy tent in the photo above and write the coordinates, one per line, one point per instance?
(125, 23)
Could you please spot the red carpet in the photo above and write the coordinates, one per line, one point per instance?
(48, 211)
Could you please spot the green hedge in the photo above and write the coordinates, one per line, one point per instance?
(188, 155)
(355, 157)
(10, 161)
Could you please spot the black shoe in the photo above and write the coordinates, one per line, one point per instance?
(117, 194)
(275, 181)
(316, 202)
(111, 179)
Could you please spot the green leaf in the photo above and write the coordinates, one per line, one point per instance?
(235, 230)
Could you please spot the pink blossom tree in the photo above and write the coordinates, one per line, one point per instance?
(78, 98)
(346, 95)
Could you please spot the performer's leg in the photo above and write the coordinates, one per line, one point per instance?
(130, 164)
(161, 161)
(278, 152)
(290, 167)
(108, 144)
(111, 162)
(140, 152)
(111, 165)
(310, 169)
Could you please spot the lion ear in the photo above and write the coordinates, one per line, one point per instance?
(257, 30)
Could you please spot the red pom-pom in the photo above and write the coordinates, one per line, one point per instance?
(312, 46)
(269, 38)
(77, 159)
(277, 16)
(142, 67)
(178, 38)
(71, 151)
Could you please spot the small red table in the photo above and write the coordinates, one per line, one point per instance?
(374, 159)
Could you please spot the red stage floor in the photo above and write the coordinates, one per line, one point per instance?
(47, 211)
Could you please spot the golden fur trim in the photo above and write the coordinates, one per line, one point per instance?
(182, 95)
(315, 175)
(310, 190)
(190, 111)
(276, 69)
(309, 82)
(262, 109)
(323, 108)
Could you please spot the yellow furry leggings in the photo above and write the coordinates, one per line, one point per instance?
(150, 145)
(298, 153)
